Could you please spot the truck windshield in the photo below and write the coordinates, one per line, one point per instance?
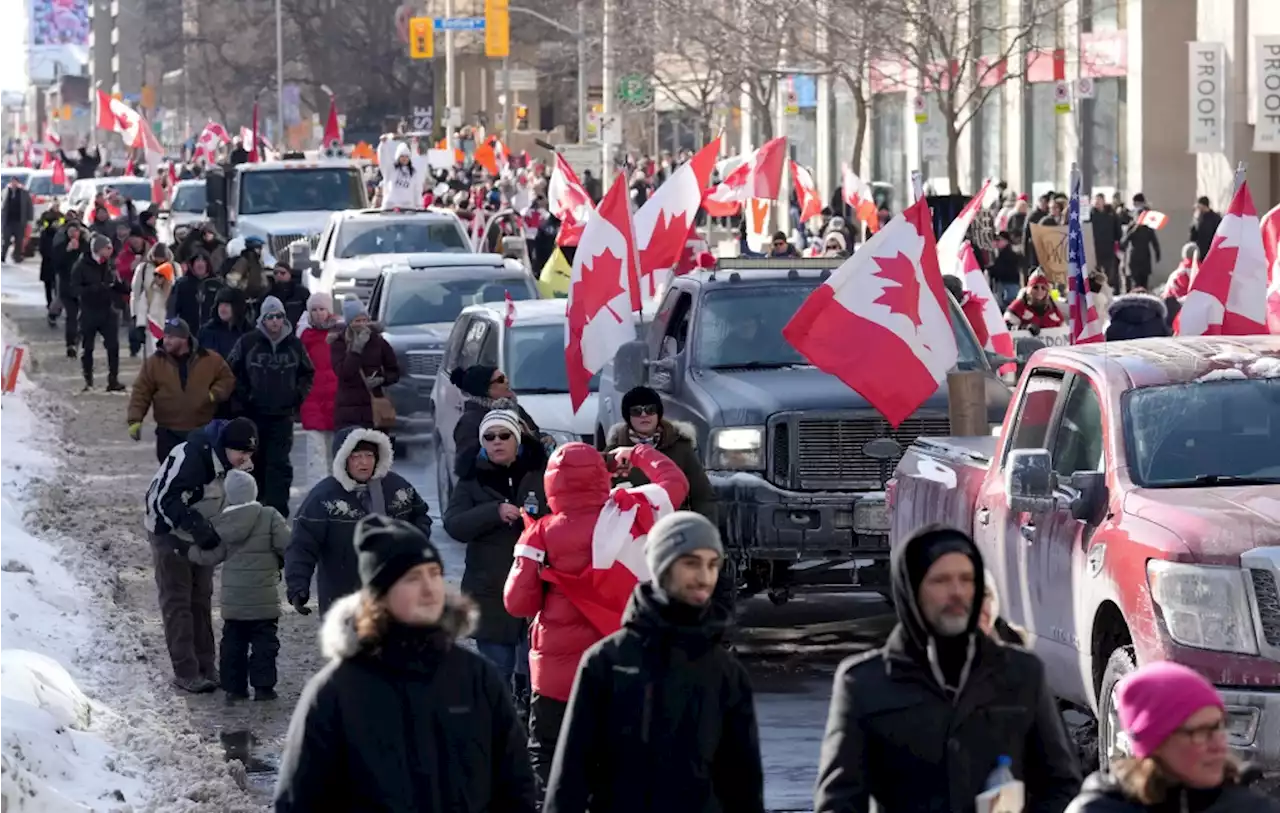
(137, 191)
(535, 360)
(423, 298)
(1204, 433)
(408, 235)
(189, 198)
(742, 328)
(44, 185)
(317, 189)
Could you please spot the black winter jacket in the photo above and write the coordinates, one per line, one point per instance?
(895, 735)
(194, 300)
(1102, 794)
(97, 286)
(1137, 316)
(661, 719)
(181, 481)
(219, 336)
(415, 724)
(272, 378)
(293, 296)
(466, 432)
(65, 259)
(324, 531)
(1142, 249)
(472, 519)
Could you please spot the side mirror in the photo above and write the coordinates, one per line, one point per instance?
(1091, 497)
(1028, 481)
(664, 374)
(514, 247)
(630, 366)
(315, 271)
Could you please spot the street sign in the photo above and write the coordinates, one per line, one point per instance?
(422, 38)
(1084, 87)
(497, 31)
(424, 118)
(460, 23)
(523, 80)
(1062, 96)
(921, 108)
(634, 89)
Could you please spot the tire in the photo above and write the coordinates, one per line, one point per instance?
(1121, 663)
(444, 487)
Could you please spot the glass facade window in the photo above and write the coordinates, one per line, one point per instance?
(1105, 138)
(888, 137)
(988, 138)
(1041, 138)
(933, 146)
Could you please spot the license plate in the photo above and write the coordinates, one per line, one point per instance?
(871, 517)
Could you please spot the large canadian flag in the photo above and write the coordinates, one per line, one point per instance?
(950, 252)
(881, 323)
(758, 176)
(604, 291)
(1228, 297)
(665, 220)
(1271, 246)
(118, 117)
(980, 309)
(806, 192)
(568, 200)
(858, 197)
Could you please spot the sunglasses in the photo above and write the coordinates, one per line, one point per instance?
(643, 409)
(1039, 287)
(492, 436)
(499, 379)
(273, 316)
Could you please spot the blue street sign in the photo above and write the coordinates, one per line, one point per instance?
(460, 23)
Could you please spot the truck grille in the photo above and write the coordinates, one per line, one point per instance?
(424, 363)
(815, 454)
(280, 244)
(1267, 593)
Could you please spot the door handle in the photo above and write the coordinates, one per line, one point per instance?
(1028, 531)
(984, 516)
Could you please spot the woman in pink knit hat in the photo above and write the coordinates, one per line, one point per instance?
(1176, 725)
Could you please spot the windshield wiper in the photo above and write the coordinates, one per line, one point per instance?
(1221, 480)
(759, 365)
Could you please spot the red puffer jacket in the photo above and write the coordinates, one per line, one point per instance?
(577, 485)
(317, 410)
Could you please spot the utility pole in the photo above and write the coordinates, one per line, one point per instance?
(606, 93)
(507, 106)
(448, 78)
(582, 71)
(279, 75)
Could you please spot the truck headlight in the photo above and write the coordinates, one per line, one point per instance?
(738, 447)
(1204, 607)
(558, 438)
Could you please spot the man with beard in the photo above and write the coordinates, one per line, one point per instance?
(677, 702)
(920, 723)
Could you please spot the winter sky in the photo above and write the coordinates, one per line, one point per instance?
(13, 51)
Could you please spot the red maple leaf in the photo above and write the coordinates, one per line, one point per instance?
(903, 298)
(668, 231)
(600, 285)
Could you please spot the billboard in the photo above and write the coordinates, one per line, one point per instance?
(58, 38)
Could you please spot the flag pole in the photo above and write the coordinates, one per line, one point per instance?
(917, 185)
(1239, 178)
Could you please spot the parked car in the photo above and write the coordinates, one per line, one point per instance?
(43, 190)
(84, 190)
(186, 208)
(417, 303)
(357, 244)
(531, 352)
(1129, 512)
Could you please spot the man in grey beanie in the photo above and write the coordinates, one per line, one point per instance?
(678, 702)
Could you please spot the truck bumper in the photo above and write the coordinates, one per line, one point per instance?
(773, 523)
(1253, 717)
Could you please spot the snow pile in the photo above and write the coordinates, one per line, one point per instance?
(54, 755)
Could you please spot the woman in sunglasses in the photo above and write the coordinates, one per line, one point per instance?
(1035, 309)
(1176, 724)
(484, 388)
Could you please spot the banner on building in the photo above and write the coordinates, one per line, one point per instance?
(1208, 104)
(1051, 250)
(1266, 130)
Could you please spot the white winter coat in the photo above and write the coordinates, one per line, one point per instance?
(402, 188)
(150, 295)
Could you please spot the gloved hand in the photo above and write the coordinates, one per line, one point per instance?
(135, 430)
(299, 602)
(180, 545)
(358, 338)
(373, 381)
(205, 536)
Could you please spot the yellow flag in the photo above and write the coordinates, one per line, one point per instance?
(553, 282)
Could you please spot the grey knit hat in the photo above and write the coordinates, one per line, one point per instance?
(240, 487)
(678, 534)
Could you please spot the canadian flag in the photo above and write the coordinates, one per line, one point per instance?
(665, 220)
(604, 290)
(857, 196)
(1271, 245)
(213, 136)
(568, 200)
(758, 176)
(981, 310)
(1153, 219)
(50, 137)
(806, 192)
(1229, 296)
(951, 254)
(880, 323)
(246, 138)
(332, 132)
(118, 117)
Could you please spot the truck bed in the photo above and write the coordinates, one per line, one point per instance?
(938, 480)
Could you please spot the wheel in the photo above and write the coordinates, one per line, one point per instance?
(1112, 741)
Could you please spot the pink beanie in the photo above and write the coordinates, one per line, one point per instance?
(1157, 699)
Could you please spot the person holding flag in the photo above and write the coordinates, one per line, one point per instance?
(1086, 324)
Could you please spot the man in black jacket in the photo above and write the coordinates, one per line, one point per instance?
(186, 491)
(921, 723)
(661, 716)
(1106, 234)
(98, 288)
(273, 376)
(17, 213)
(69, 245)
(1141, 246)
(1204, 225)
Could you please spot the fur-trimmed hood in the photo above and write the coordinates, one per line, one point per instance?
(338, 639)
(347, 440)
(1137, 316)
(672, 432)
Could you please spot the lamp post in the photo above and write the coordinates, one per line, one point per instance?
(581, 36)
(279, 73)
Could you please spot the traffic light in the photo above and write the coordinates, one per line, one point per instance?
(422, 37)
(522, 117)
(497, 29)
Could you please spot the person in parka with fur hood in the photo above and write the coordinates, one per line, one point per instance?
(361, 483)
(1137, 316)
(402, 718)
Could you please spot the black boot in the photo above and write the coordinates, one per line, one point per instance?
(72, 353)
(115, 386)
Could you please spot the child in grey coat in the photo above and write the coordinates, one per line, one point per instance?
(253, 539)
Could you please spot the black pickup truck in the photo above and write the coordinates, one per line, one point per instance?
(801, 496)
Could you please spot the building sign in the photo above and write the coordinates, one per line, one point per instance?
(1266, 130)
(1105, 54)
(1207, 87)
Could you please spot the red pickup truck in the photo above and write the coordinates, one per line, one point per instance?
(1129, 511)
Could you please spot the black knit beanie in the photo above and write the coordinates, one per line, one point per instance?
(473, 380)
(640, 396)
(387, 549)
(241, 435)
(931, 547)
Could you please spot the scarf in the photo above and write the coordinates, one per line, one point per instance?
(494, 403)
(371, 497)
(654, 440)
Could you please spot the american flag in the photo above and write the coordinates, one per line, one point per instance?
(1086, 326)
